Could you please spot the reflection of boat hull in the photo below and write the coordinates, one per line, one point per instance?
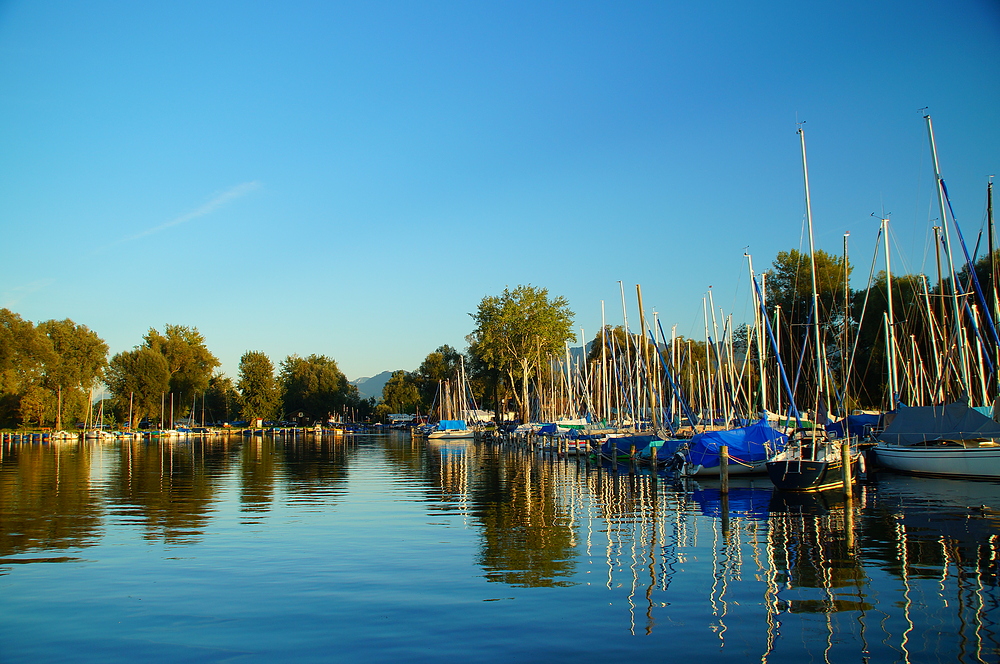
(795, 475)
(803, 502)
(735, 468)
(941, 460)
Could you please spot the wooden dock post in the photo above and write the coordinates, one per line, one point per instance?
(724, 468)
(845, 467)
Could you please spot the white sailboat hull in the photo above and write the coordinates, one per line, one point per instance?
(953, 461)
(451, 434)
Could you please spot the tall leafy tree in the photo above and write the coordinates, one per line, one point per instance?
(400, 393)
(790, 302)
(518, 330)
(24, 354)
(221, 399)
(486, 383)
(442, 364)
(79, 360)
(314, 384)
(190, 362)
(138, 378)
(260, 393)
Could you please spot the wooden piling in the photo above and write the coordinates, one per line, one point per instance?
(845, 467)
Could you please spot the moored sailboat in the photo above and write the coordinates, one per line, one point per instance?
(952, 440)
(813, 461)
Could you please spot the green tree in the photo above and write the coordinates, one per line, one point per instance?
(790, 302)
(221, 399)
(190, 362)
(260, 393)
(24, 355)
(486, 383)
(314, 384)
(36, 406)
(442, 364)
(80, 358)
(138, 379)
(517, 331)
(400, 393)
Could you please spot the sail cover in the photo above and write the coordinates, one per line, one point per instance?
(926, 424)
(747, 445)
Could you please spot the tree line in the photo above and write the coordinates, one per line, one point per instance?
(49, 372)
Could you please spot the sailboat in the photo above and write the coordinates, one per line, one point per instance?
(953, 440)
(448, 428)
(749, 449)
(812, 460)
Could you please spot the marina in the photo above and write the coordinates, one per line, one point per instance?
(385, 547)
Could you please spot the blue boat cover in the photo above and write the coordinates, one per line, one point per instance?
(448, 425)
(854, 425)
(924, 424)
(548, 429)
(664, 451)
(747, 445)
(624, 444)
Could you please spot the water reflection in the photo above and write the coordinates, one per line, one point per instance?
(166, 488)
(45, 499)
(527, 534)
(527, 538)
(905, 571)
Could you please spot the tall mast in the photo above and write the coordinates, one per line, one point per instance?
(647, 392)
(761, 346)
(890, 323)
(844, 369)
(989, 240)
(812, 260)
(993, 262)
(605, 392)
(955, 311)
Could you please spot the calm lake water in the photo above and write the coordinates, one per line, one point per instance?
(383, 549)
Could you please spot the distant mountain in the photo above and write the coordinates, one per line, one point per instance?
(372, 387)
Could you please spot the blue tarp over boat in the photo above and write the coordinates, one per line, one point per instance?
(925, 424)
(747, 445)
(449, 425)
(614, 447)
(854, 425)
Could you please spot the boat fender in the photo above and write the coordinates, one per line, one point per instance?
(862, 466)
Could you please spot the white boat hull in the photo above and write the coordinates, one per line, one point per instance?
(952, 461)
(451, 434)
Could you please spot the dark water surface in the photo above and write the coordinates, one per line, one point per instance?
(383, 549)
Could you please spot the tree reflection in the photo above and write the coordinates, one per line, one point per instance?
(527, 537)
(45, 498)
(168, 487)
(257, 469)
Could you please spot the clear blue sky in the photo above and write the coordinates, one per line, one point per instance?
(351, 178)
